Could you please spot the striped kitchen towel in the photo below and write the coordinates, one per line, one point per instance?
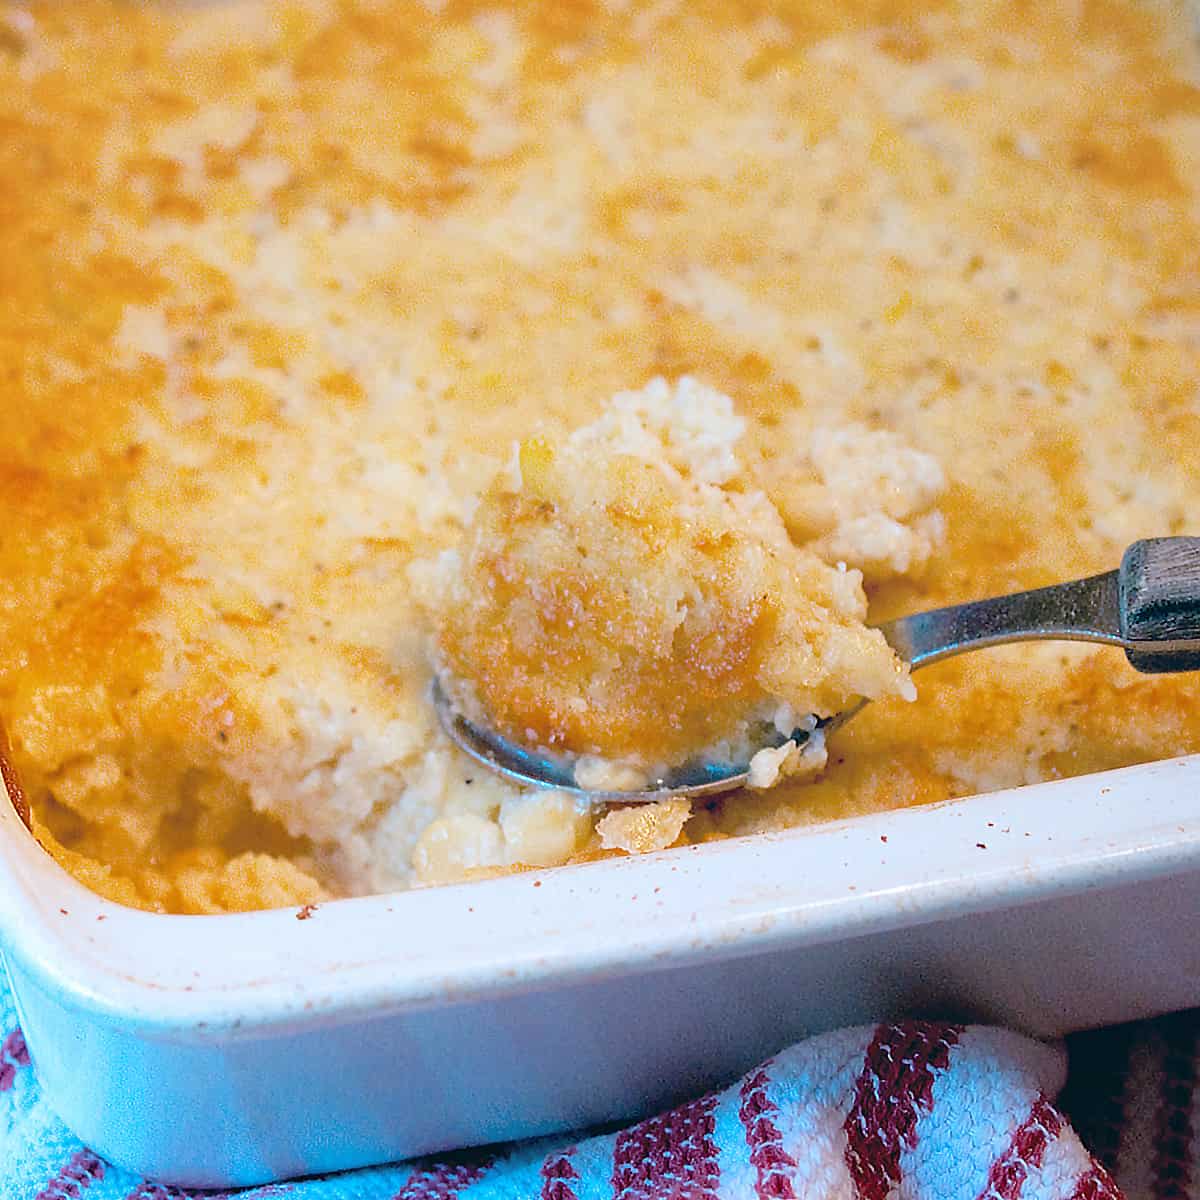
(893, 1112)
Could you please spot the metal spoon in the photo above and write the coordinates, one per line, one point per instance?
(1150, 607)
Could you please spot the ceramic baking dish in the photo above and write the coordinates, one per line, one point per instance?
(212, 1051)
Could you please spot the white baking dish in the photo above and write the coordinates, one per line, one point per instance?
(240, 1049)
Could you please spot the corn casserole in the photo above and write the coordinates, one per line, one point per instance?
(304, 304)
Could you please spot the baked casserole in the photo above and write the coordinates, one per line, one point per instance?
(304, 305)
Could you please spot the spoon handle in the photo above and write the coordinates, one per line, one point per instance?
(1150, 607)
(1160, 604)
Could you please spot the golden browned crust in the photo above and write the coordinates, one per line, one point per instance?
(12, 781)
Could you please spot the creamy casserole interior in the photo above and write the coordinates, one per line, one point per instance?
(282, 285)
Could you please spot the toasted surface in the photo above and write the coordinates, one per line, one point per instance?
(281, 284)
(626, 594)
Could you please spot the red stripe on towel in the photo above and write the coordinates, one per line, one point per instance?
(557, 1175)
(444, 1181)
(773, 1165)
(672, 1155)
(13, 1054)
(894, 1087)
(82, 1169)
(1172, 1165)
(1025, 1152)
(1096, 1184)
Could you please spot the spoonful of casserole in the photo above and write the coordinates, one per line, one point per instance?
(630, 618)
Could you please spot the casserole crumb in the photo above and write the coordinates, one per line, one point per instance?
(643, 828)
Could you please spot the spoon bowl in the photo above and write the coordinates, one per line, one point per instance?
(693, 780)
